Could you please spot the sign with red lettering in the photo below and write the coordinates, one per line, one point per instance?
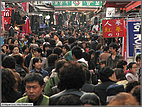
(113, 28)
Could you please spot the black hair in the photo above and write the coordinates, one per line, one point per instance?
(8, 85)
(120, 63)
(13, 40)
(71, 40)
(90, 98)
(105, 48)
(19, 59)
(69, 99)
(24, 48)
(35, 60)
(136, 92)
(66, 47)
(114, 45)
(38, 49)
(51, 59)
(138, 57)
(9, 62)
(46, 44)
(57, 50)
(77, 52)
(59, 63)
(72, 76)
(34, 77)
(130, 65)
(131, 85)
(119, 74)
(105, 73)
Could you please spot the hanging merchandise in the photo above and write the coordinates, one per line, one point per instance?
(26, 27)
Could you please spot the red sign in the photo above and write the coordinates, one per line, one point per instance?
(113, 28)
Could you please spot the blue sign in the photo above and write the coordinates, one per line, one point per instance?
(2, 41)
(134, 38)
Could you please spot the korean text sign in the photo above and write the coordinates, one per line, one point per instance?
(113, 28)
(133, 37)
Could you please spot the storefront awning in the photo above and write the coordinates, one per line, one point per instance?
(133, 5)
(42, 8)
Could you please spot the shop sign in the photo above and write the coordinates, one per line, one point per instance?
(133, 38)
(77, 3)
(113, 28)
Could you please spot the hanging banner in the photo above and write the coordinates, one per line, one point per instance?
(113, 28)
(133, 38)
(24, 6)
(77, 3)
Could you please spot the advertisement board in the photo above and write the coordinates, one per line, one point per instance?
(113, 28)
(133, 38)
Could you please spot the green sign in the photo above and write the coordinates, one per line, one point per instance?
(91, 3)
(62, 3)
(77, 3)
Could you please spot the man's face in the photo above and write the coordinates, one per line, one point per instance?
(34, 90)
(112, 50)
(36, 54)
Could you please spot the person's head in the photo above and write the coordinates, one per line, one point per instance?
(71, 75)
(51, 59)
(102, 63)
(9, 62)
(19, 59)
(15, 50)
(25, 49)
(105, 49)
(76, 52)
(8, 82)
(37, 52)
(90, 99)
(123, 99)
(37, 63)
(46, 46)
(138, 60)
(9, 40)
(122, 64)
(106, 74)
(119, 74)
(15, 42)
(132, 66)
(113, 47)
(69, 99)
(5, 48)
(92, 53)
(58, 51)
(136, 92)
(26, 37)
(59, 63)
(32, 46)
(130, 85)
(34, 85)
(71, 40)
(65, 48)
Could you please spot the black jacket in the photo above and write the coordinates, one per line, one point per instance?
(100, 90)
(54, 98)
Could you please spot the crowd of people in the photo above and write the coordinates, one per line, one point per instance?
(67, 66)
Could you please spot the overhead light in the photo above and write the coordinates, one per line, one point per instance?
(47, 17)
(16, 28)
(40, 14)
